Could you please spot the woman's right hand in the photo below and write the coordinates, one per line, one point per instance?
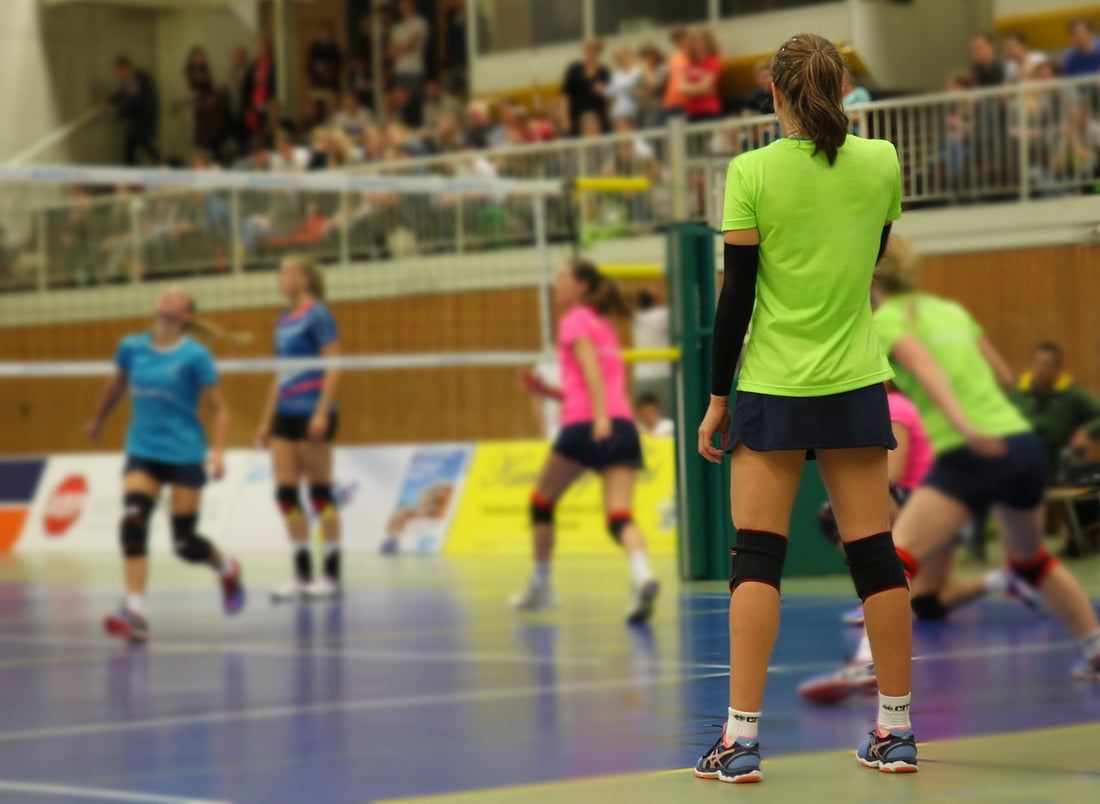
(263, 435)
(532, 383)
(717, 420)
(93, 429)
(986, 445)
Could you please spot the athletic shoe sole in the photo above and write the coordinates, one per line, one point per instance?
(647, 596)
(120, 629)
(887, 767)
(750, 777)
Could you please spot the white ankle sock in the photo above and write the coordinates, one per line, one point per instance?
(542, 572)
(995, 582)
(1090, 646)
(863, 652)
(135, 603)
(639, 567)
(741, 724)
(893, 712)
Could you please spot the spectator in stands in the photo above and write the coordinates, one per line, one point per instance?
(1064, 415)
(210, 109)
(654, 81)
(352, 118)
(988, 70)
(678, 63)
(585, 87)
(138, 107)
(234, 87)
(651, 421)
(325, 66)
(436, 103)
(854, 96)
(761, 102)
(478, 125)
(1084, 57)
(958, 130)
(446, 136)
(360, 82)
(287, 156)
(704, 74)
(625, 84)
(1020, 60)
(1076, 154)
(259, 90)
(408, 44)
(535, 129)
(501, 133)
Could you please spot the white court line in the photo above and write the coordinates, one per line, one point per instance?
(98, 793)
(369, 704)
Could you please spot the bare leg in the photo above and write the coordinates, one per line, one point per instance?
(317, 460)
(1022, 535)
(186, 501)
(135, 569)
(558, 474)
(763, 486)
(618, 495)
(288, 472)
(856, 480)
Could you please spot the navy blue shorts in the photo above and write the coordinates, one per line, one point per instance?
(187, 475)
(623, 448)
(296, 428)
(1018, 479)
(766, 423)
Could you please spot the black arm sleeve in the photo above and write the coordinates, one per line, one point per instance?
(731, 320)
(883, 241)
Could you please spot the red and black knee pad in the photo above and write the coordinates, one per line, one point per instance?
(617, 522)
(759, 557)
(1034, 570)
(322, 500)
(542, 509)
(289, 501)
(876, 565)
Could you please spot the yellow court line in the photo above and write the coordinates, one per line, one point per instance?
(558, 784)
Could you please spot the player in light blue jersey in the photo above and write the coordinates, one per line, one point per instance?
(168, 374)
(299, 423)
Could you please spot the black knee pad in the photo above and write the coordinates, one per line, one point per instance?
(1034, 571)
(758, 556)
(929, 607)
(190, 546)
(542, 510)
(289, 501)
(826, 520)
(134, 529)
(617, 522)
(320, 497)
(875, 565)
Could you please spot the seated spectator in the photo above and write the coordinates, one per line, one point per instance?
(988, 70)
(678, 63)
(352, 118)
(762, 102)
(654, 81)
(1020, 60)
(446, 137)
(651, 422)
(585, 87)
(625, 83)
(372, 144)
(1083, 57)
(533, 129)
(1064, 415)
(501, 133)
(854, 96)
(700, 84)
(1076, 154)
(287, 156)
(477, 125)
(438, 102)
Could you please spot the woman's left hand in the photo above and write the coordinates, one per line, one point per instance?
(216, 464)
(318, 426)
(717, 420)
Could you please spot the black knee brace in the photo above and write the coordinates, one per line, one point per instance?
(929, 607)
(617, 522)
(134, 530)
(758, 556)
(289, 502)
(190, 546)
(1034, 570)
(542, 510)
(875, 565)
(320, 497)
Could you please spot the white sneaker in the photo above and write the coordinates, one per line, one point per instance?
(535, 597)
(288, 592)
(323, 589)
(642, 597)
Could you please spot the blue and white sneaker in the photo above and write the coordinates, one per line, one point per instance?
(233, 596)
(126, 625)
(737, 762)
(853, 617)
(1087, 670)
(896, 752)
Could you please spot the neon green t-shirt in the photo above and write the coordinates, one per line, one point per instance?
(949, 332)
(812, 332)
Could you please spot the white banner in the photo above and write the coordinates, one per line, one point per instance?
(398, 499)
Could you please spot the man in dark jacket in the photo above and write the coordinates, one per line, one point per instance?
(138, 108)
(1063, 413)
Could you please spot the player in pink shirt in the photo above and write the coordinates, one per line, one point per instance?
(597, 433)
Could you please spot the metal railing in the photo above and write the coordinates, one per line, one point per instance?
(1016, 143)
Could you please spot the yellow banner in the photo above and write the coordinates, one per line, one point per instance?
(493, 513)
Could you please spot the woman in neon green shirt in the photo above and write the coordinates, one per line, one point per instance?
(805, 220)
(949, 369)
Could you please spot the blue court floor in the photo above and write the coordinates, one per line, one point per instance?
(422, 684)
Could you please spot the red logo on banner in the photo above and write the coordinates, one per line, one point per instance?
(65, 505)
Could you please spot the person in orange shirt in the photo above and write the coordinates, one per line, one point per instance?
(678, 64)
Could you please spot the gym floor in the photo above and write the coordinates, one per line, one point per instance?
(421, 685)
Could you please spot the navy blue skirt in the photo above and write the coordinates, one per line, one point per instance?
(766, 423)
